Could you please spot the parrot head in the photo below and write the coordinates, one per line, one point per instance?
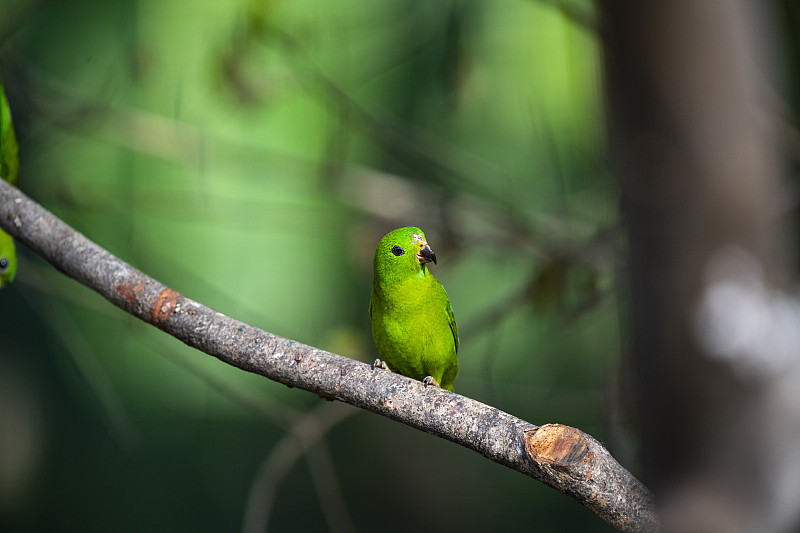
(8, 259)
(402, 254)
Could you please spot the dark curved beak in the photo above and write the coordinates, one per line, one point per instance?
(426, 255)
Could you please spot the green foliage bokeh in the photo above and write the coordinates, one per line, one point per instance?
(250, 154)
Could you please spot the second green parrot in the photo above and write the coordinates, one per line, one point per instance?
(9, 171)
(413, 325)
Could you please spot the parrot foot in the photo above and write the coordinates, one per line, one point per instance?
(430, 381)
(380, 364)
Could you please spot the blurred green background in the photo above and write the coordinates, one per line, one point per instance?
(250, 154)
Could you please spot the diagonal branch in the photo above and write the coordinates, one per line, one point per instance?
(562, 457)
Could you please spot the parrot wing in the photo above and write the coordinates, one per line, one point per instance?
(9, 158)
(453, 326)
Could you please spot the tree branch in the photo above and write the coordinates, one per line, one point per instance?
(562, 457)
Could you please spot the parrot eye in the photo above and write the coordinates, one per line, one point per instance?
(3, 265)
(396, 250)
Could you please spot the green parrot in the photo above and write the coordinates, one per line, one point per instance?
(412, 322)
(9, 171)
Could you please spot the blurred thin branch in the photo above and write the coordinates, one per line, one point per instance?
(550, 237)
(303, 438)
(559, 456)
(581, 16)
(80, 350)
(441, 161)
(13, 16)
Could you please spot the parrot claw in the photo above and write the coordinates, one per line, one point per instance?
(430, 381)
(380, 364)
